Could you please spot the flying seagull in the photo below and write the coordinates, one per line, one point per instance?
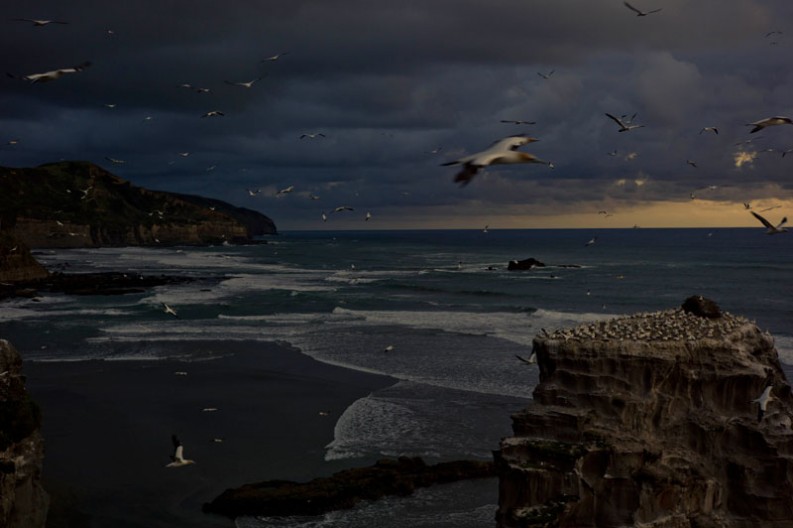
(213, 113)
(769, 121)
(115, 161)
(50, 75)
(772, 229)
(518, 122)
(710, 129)
(40, 23)
(285, 190)
(248, 84)
(312, 136)
(763, 400)
(639, 12)
(546, 76)
(167, 309)
(178, 459)
(591, 241)
(368, 216)
(692, 163)
(253, 192)
(624, 125)
(503, 151)
(342, 208)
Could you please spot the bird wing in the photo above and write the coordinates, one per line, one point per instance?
(633, 8)
(783, 222)
(614, 118)
(508, 143)
(467, 174)
(763, 220)
(654, 11)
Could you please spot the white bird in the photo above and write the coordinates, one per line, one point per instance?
(324, 217)
(40, 23)
(167, 309)
(343, 208)
(769, 121)
(50, 75)
(763, 400)
(624, 125)
(180, 373)
(368, 216)
(772, 229)
(389, 348)
(213, 113)
(639, 12)
(253, 192)
(275, 57)
(12, 142)
(178, 459)
(115, 161)
(313, 197)
(286, 190)
(503, 151)
(591, 241)
(183, 154)
(110, 105)
(248, 84)
(546, 76)
(532, 358)
(710, 129)
(312, 136)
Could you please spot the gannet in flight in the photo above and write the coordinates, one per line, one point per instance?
(546, 76)
(285, 190)
(503, 151)
(772, 229)
(591, 241)
(640, 13)
(343, 208)
(624, 125)
(312, 136)
(368, 216)
(389, 348)
(253, 192)
(769, 121)
(178, 459)
(763, 400)
(518, 122)
(248, 84)
(167, 309)
(275, 57)
(532, 358)
(213, 113)
(40, 23)
(115, 161)
(692, 163)
(710, 129)
(50, 75)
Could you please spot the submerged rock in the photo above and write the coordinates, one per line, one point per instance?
(525, 264)
(648, 420)
(343, 489)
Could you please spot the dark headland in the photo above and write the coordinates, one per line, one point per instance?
(79, 204)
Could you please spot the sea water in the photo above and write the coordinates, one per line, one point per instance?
(436, 310)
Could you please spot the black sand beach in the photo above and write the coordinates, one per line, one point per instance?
(108, 427)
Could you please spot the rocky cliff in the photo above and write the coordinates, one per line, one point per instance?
(23, 501)
(79, 204)
(649, 421)
(16, 262)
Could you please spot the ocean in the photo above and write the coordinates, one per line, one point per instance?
(436, 310)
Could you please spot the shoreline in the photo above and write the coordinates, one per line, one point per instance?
(108, 424)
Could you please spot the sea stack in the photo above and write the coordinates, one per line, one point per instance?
(648, 421)
(23, 501)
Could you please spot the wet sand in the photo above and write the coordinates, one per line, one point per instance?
(108, 425)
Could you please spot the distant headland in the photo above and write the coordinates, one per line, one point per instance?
(72, 204)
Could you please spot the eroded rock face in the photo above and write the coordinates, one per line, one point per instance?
(23, 501)
(16, 262)
(648, 420)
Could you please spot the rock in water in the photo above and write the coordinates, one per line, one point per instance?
(648, 421)
(702, 307)
(525, 264)
(23, 501)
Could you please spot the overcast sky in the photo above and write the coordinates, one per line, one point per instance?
(397, 88)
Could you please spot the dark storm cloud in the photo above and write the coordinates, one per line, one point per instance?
(387, 83)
